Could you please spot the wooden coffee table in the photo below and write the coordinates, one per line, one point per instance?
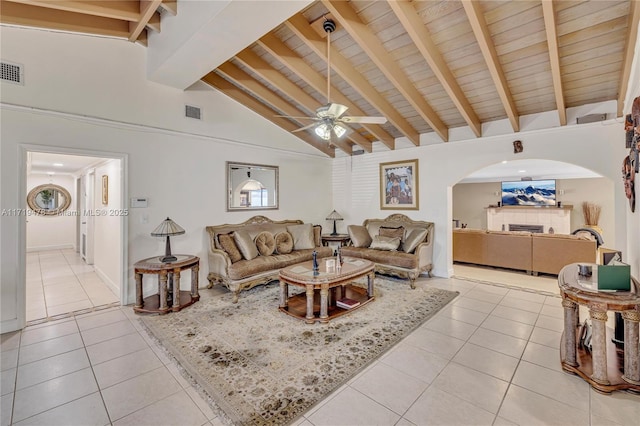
(318, 302)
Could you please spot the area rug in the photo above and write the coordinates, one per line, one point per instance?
(263, 367)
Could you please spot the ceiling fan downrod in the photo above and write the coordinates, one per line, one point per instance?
(329, 26)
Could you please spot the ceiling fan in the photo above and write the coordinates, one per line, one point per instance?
(329, 120)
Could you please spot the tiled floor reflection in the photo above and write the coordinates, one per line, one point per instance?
(489, 357)
(59, 282)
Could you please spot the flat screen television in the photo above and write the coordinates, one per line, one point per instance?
(529, 193)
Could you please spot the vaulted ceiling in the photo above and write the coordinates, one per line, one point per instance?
(427, 66)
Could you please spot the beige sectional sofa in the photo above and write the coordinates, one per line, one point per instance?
(243, 255)
(531, 252)
(412, 255)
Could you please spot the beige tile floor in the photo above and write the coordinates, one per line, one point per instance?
(489, 357)
(59, 282)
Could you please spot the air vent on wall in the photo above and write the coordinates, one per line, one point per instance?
(12, 73)
(192, 112)
(591, 118)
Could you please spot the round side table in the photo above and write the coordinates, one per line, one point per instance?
(605, 367)
(169, 297)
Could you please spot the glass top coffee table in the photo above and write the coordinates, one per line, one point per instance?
(321, 301)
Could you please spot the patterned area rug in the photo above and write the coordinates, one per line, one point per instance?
(263, 367)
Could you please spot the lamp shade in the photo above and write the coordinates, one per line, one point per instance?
(334, 215)
(167, 228)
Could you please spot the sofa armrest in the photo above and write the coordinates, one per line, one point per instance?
(219, 263)
(424, 251)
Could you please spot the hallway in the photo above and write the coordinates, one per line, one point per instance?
(60, 282)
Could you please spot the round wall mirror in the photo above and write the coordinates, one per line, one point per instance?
(48, 200)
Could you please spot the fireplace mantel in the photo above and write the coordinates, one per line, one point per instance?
(558, 218)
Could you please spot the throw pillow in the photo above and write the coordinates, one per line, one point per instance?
(414, 238)
(245, 244)
(317, 235)
(284, 242)
(387, 231)
(385, 243)
(359, 236)
(265, 243)
(393, 232)
(228, 244)
(302, 236)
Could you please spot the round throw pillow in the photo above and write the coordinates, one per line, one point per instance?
(284, 242)
(265, 243)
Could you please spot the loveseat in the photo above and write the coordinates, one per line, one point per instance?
(530, 252)
(251, 253)
(397, 245)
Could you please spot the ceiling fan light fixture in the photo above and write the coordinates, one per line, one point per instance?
(324, 131)
(339, 130)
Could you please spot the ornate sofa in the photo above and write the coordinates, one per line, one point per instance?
(376, 240)
(247, 265)
(546, 253)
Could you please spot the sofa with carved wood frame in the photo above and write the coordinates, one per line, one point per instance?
(238, 273)
(413, 256)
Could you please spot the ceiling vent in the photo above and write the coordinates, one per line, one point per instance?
(12, 73)
(591, 118)
(192, 112)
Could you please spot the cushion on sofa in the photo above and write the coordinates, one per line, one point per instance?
(245, 244)
(265, 243)
(381, 242)
(394, 258)
(302, 236)
(228, 244)
(359, 236)
(261, 264)
(284, 242)
(317, 235)
(393, 232)
(413, 238)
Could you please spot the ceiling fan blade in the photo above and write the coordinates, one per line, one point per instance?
(308, 126)
(336, 110)
(367, 120)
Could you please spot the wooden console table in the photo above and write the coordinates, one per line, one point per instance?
(169, 296)
(606, 367)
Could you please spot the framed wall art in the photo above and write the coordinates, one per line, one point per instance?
(399, 185)
(105, 189)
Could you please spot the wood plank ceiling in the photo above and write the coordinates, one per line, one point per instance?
(427, 66)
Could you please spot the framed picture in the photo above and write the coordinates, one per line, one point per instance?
(399, 185)
(105, 189)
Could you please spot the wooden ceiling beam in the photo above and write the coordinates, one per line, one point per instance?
(40, 17)
(416, 29)
(629, 49)
(147, 9)
(299, 25)
(554, 57)
(124, 10)
(154, 22)
(369, 42)
(256, 106)
(291, 60)
(251, 85)
(171, 6)
(251, 60)
(483, 37)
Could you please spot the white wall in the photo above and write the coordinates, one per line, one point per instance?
(597, 147)
(106, 225)
(55, 231)
(471, 199)
(181, 170)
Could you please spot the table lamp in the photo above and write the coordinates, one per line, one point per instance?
(167, 229)
(334, 215)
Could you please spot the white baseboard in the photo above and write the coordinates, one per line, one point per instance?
(54, 247)
(114, 288)
(442, 273)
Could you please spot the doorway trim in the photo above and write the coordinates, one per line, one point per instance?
(23, 150)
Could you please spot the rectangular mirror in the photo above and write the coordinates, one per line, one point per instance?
(251, 186)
